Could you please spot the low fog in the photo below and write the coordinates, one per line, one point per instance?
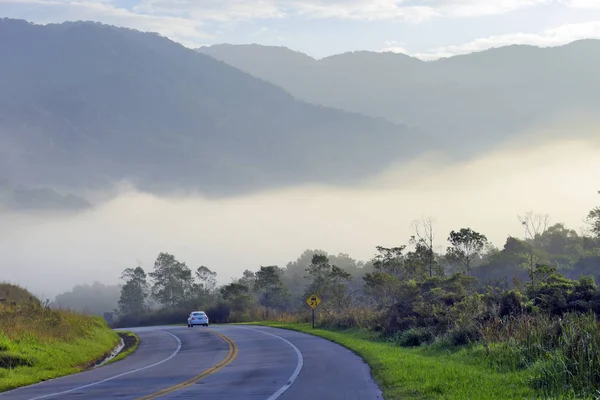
(51, 253)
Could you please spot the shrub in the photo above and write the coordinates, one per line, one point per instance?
(166, 316)
(415, 337)
(511, 303)
(463, 335)
(218, 314)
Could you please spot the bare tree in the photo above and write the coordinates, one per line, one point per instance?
(535, 224)
(424, 237)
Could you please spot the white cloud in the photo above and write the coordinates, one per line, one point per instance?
(187, 21)
(183, 15)
(582, 3)
(182, 30)
(363, 10)
(477, 8)
(558, 36)
(214, 10)
(395, 47)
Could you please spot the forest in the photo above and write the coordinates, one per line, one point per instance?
(531, 304)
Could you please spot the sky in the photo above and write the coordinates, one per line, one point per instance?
(427, 29)
(52, 253)
(559, 177)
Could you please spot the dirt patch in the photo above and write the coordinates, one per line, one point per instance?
(129, 340)
(96, 361)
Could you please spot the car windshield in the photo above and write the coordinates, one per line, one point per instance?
(198, 314)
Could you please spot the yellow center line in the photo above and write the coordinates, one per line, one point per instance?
(231, 355)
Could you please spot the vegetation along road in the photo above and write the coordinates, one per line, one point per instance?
(219, 362)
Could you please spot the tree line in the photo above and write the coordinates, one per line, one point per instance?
(172, 287)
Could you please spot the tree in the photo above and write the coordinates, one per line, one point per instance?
(417, 263)
(272, 292)
(248, 278)
(466, 246)
(207, 279)
(390, 260)
(593, 219)
(423, 242)
(237, 295)
(328, 281)
(134, 292)
(535, 224)
(173, 282)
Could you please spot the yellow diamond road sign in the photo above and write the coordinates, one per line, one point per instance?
(313, 301)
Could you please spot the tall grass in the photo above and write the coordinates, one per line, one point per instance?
(564, 353)
(33, 321)
(39, 343)
(354, 317)
(11, 294)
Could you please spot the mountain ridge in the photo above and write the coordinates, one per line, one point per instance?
(393, 53)
(88, 104)
(470, 102)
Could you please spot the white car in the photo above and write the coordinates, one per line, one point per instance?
(197, 318)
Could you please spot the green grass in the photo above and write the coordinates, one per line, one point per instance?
(51, 359)
(426, 372)
(37, 343)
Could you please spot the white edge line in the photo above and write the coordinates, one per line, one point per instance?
(299, 365)
(115, 376)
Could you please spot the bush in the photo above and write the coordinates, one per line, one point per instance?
(511, 303)
(218, 314)
(165, 316)
(415, 337)
(463, 335)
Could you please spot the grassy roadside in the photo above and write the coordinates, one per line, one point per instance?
(31, 359)
(37, 343)
(425, 372)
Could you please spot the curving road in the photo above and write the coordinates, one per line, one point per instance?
(219, 362)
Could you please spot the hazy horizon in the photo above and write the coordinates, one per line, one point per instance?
(424, 29)
(50, 253)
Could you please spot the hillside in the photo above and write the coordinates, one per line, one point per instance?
(88, 104)
(37, 343)
(471, 101)
(11, 294)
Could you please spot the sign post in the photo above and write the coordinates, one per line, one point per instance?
(313, 302)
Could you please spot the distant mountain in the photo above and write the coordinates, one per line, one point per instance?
(471, 101)
(85, 104)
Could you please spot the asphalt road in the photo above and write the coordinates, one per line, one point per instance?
(219, 362)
